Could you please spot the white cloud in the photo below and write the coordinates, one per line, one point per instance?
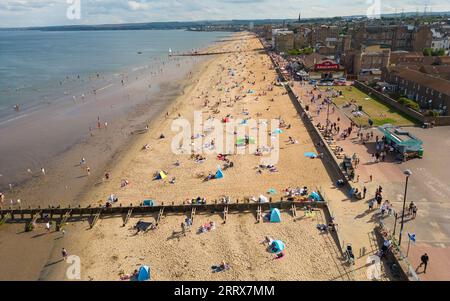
(134, 5)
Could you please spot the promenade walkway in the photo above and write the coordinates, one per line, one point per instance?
(425, 189)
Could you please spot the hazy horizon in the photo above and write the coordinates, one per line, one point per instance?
(42, 13)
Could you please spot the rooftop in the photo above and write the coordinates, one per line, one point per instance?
(426, 80)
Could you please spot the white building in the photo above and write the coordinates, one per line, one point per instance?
(440, 40)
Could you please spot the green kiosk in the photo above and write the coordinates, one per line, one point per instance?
(406, 144)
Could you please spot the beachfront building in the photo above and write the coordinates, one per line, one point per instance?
(396, 37)
(327, 70)
(366, 64)
(282, 40)
(325, 39)
(407, 58)
(441, 40)
(429, 91)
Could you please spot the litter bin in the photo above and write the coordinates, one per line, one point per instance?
(360, 108)
(421, 153)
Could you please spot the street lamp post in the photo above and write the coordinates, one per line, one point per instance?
(328, 115)
(395, 223)
(408, 173)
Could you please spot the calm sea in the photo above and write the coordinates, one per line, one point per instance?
(38, 67)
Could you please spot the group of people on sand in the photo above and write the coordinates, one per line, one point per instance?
(209, 226)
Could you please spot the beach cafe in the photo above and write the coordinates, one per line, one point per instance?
(403, 142)
(328, 70)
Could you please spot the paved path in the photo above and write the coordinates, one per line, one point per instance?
(428, 188)
(355, 224)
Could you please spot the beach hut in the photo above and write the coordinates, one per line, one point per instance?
(275, 216)
(277, 247)
(144, 273)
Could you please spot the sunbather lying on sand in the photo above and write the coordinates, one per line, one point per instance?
(220, 268)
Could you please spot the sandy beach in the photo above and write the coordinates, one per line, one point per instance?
(238, 84)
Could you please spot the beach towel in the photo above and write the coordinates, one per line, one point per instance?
(272, 191)
(277, 131)
(310, 214)
(311, 155)
(241, 141)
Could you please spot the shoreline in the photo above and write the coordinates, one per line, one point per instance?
(189, 258)
(169, 96)
(110, 248)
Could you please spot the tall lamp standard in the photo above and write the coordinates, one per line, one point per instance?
(328, 114)
(408, 173)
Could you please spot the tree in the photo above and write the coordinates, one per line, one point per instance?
(427, 52)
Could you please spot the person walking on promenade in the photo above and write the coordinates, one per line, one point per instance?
(424, 262)
(411, 207)
(414, 212)
(64, 253)
(364, 192)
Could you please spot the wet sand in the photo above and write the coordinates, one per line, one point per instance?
(65, 182)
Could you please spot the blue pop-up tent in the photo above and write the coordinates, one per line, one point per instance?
(315, 196)
(275, 216)
(277, 247)
(149, 203)
(144, 273)
(219, 174)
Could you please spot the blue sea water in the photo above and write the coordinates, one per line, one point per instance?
(38, 66)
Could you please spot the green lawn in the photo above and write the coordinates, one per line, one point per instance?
(378, 112)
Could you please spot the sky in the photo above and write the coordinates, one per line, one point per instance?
(23, 13)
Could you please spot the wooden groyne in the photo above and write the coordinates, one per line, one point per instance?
(62, 215)
(200, 53)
